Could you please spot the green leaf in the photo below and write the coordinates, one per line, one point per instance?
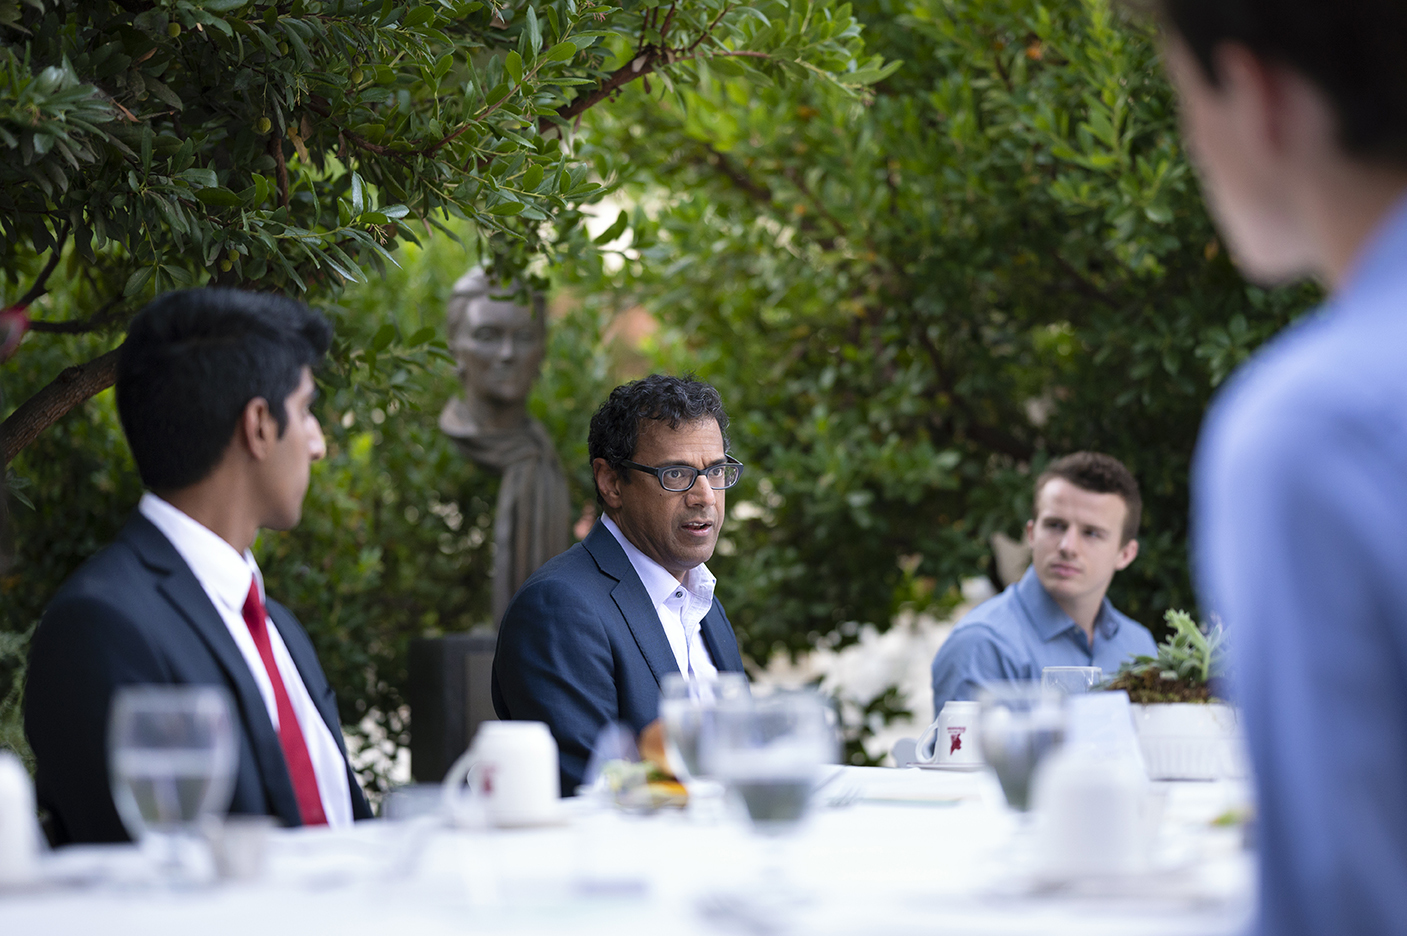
(505, 209)
(357, 194)
(498, 94)
(533, 177)
(534, 32)
(560, 52)
(137, 280)
(218, 197)
(513, 65)
(383, 338)
(616, 229)
(203, 177)
(418, 17)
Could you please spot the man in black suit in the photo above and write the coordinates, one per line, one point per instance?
(214, 389)
(588, 638)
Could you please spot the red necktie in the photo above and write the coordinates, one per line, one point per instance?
(290, 735)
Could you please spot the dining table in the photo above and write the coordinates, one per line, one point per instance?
(882, 851)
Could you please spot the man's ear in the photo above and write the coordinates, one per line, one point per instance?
(608, 482)
(1127, 554)
(257, 430)
(1030, 532)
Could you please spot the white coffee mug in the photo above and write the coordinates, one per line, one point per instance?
(1094, 815)
(508, 776)
(951, 741)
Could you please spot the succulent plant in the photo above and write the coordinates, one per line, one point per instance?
(1185, 664)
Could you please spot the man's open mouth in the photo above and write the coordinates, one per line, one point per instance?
(698, 526)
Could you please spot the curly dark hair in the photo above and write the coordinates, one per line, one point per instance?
(615, 427)
(1099, 474)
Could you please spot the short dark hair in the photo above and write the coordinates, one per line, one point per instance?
(1100, 474)
(1351, 49)
(191, 363)
(615, 427)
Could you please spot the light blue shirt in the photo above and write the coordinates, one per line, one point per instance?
(1020, 632)
(1300, 534)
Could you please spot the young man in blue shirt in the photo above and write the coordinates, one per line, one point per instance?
(1083, 529)
(1296, 114)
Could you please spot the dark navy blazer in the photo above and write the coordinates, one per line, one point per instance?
(135, 613)
(581, 645)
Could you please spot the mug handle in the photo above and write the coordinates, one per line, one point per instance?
(462, 776)
(926, 751)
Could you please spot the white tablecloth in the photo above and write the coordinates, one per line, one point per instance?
(911, 851)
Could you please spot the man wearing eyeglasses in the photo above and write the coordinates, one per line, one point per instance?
(588, 638)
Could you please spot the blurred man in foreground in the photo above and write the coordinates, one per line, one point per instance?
(214, 389)
(1084, 520)
(1296, 115)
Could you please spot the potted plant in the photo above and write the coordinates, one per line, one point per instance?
(1186, 733)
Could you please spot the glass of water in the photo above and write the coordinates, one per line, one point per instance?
(172, 760)
(770, 752)
(685, 706)
(1071, 680)
(1020, 722)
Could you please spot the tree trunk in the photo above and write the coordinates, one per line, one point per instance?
(73, 386)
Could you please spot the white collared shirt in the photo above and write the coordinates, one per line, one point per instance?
(225, 576)
(681, 606)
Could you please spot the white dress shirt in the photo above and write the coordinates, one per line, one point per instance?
(225, 575)
(681, 606)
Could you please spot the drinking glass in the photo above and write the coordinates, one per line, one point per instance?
(172, 759)
(769, 751)
(685, 706)
(1021, 722)
(1071, 680)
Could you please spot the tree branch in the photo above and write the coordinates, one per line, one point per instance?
(757, 191)
(615, 81)
(41, 286)
(996, 440)
(280, 167)
(66, 391)
(92, 323)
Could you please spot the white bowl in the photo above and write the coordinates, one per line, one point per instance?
(1190, 741)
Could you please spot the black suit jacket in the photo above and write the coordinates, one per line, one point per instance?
(135, 613)
(581, 645)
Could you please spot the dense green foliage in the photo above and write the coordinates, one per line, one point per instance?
(910, 305)
(286, 144)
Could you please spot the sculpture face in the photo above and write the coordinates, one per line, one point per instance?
(499, 346)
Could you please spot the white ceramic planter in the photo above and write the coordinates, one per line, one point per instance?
(1190, 741)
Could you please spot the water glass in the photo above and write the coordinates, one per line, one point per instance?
(172, 760)
(1021, 722)
(686, 705)
(1071, 680)
(770, 752)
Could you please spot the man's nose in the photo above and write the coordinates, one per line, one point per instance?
(1069, 540)
(506, 349)
(319, 444)
(701, 495)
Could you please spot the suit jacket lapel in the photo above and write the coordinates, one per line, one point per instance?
(300, 648)
(633, 601)
(180, 587)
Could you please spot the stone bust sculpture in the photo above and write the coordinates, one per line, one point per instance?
(499, 346)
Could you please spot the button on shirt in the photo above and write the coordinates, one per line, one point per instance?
(1300, 529)
(681, 606)
(1020, 632)
(225, 576)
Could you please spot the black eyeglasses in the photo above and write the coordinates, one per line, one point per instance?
(680, 478)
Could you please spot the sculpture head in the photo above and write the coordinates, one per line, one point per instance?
(498, 343)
